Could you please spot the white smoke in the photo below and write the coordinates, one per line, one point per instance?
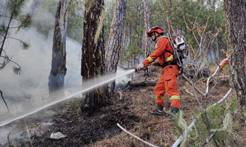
(36, 64)
(25, 91)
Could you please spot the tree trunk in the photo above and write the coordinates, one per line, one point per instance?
(236, 13)
(58, 67)
(93, 51)
(115, 39)
(146, 27)
(216, 43)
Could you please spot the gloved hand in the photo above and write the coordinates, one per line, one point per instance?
(139, 67)
(156, 64)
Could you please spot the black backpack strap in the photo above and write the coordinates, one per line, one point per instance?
(164, 58)
(168, 63)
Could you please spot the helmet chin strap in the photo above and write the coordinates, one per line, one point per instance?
(155, 37)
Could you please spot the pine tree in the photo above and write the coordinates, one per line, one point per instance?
(115, 40)
(146, 27)
(23, 21)
(236, 12)
(92, 64)
(58, 66)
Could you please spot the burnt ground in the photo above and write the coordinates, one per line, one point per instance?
(81, 130)
(132, 112)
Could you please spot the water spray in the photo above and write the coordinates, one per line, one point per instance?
(100, 83)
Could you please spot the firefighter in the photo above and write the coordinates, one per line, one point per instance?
(168, 80)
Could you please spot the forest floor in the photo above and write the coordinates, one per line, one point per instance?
(132, 112)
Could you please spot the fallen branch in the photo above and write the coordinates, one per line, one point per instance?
(135, 136)
(4, 100)
(131, 85)
(176, 144)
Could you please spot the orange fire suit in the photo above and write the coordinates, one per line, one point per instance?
(167, 82)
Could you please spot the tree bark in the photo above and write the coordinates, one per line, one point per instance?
(93, 51)
(115, 39)
(235, 14)
(146, 27)
(58, 66)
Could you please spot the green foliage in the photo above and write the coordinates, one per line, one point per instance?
(75, 26)
(109, 15)
(2, 29)
(183, 126)
(220, 118)
(44, 16)
(201, 10)
(133, 50)
(25, 45)
(75, 19)
(15, 7)
(73, 106)
(134, 30)
(25, 22)
(17, 70)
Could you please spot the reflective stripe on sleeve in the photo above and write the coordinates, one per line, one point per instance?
(169, 58)
(150, 59)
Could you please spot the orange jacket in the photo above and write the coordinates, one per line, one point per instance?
(162, 45)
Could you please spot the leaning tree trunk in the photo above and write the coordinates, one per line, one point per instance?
(236, 31)
(93, 51)
(115, 40)
(147, 27)
(58, 66)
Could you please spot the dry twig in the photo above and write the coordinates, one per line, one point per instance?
(1, 93)
(135, 136)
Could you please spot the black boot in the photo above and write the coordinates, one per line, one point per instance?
(174, 112)
(158, 111)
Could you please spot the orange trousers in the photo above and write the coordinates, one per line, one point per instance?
(168, 84)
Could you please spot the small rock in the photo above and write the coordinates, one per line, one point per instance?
(57, 135)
